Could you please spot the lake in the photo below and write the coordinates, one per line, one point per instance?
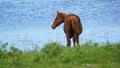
(27, 23)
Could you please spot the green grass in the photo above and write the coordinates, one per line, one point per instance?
(54, 55)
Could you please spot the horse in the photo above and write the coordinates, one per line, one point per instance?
(72, 26)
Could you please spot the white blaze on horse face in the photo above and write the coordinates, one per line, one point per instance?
(54, 25)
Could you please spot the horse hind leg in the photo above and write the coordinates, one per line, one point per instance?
(68, 42)
(75, 40)
(78, 40)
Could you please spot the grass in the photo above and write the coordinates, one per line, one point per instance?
(54, 55)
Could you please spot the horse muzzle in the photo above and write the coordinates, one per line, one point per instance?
(53, 27)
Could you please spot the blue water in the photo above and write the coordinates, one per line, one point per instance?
(27, 23)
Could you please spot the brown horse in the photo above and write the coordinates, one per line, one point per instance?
(72, 26)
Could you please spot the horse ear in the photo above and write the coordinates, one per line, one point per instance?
(57, 11)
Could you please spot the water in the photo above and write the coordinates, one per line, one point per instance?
(27, 23)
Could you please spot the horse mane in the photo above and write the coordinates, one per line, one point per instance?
(63, 14)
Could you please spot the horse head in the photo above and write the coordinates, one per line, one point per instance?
(58, 20)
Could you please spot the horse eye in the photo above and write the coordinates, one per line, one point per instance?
(55, 18)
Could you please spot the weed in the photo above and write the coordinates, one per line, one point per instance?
(52, 55)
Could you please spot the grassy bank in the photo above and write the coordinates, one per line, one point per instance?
(54, 55)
